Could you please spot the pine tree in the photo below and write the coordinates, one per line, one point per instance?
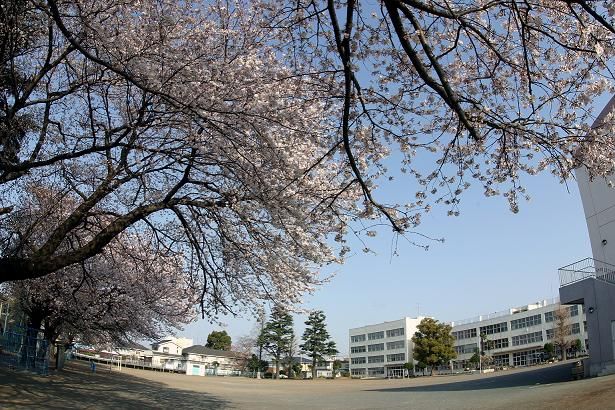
(316, 339)
(277, 335)
(433, 343)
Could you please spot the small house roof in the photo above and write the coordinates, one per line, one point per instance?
(130, 345)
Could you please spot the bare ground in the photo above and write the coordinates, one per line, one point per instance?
(545, 387)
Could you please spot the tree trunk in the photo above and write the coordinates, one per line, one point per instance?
(313, 368)
(29, 348)
(260, 357)
(277, 367)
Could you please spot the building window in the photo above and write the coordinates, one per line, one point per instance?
(375, 371)
(357, 338)
(375, 359)
(469, 348)
(574, 310)
(400, 344)
(550, 333)
(358, 372)
(375, 335)
(375, 348)
(357, 360)
(464, 334)
(527, 339)
(575, 328)
(501, 360)
(397, 357)
(499, 343)
(525, 322)
(585, 325)
(495, 328)
(528, 357)
(357, 349)
(395, 332)
(165, 350)
(549, 316)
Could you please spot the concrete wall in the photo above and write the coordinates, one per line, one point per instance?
(599, 206)
(599, 298)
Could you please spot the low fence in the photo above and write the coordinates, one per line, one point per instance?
(117, 362)
(24, 349)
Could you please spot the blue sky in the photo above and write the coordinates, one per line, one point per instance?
(491, 259)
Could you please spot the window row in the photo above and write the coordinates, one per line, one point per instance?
(495, 328)
(528, 357)
(527, 339)
(375, 359)
(395, 332)
(501, 359)
(573, 329)
(372, 371)
(375, 347)
(464, 334)
(395, 357)
(400, 344)
(357, 338)
(375, 335)
(573, 311)
(525, 322)
(375, 371)
(357, 349)
(498, 343)
(469, 348)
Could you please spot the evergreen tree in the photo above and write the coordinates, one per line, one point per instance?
(256, 365)
(316, 339)
(433, 343)
(219, 340)
(277, 335)
(549, 349)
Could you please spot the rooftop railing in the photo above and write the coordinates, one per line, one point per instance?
(585, 269)
(507, 312)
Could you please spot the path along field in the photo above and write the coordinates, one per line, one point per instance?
(544, 387)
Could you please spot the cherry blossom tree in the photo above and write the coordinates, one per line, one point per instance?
(119, 295)
(164, 121)
(461, 92)
(244, 136)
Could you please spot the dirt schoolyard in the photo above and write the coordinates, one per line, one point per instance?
(76, 387)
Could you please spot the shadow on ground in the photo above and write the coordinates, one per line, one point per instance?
(540, 376)
(76, 387)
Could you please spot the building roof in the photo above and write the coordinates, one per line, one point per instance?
(130, 345)
(199, 349)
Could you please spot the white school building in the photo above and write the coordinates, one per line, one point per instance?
(381, 350)
(516, 338)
